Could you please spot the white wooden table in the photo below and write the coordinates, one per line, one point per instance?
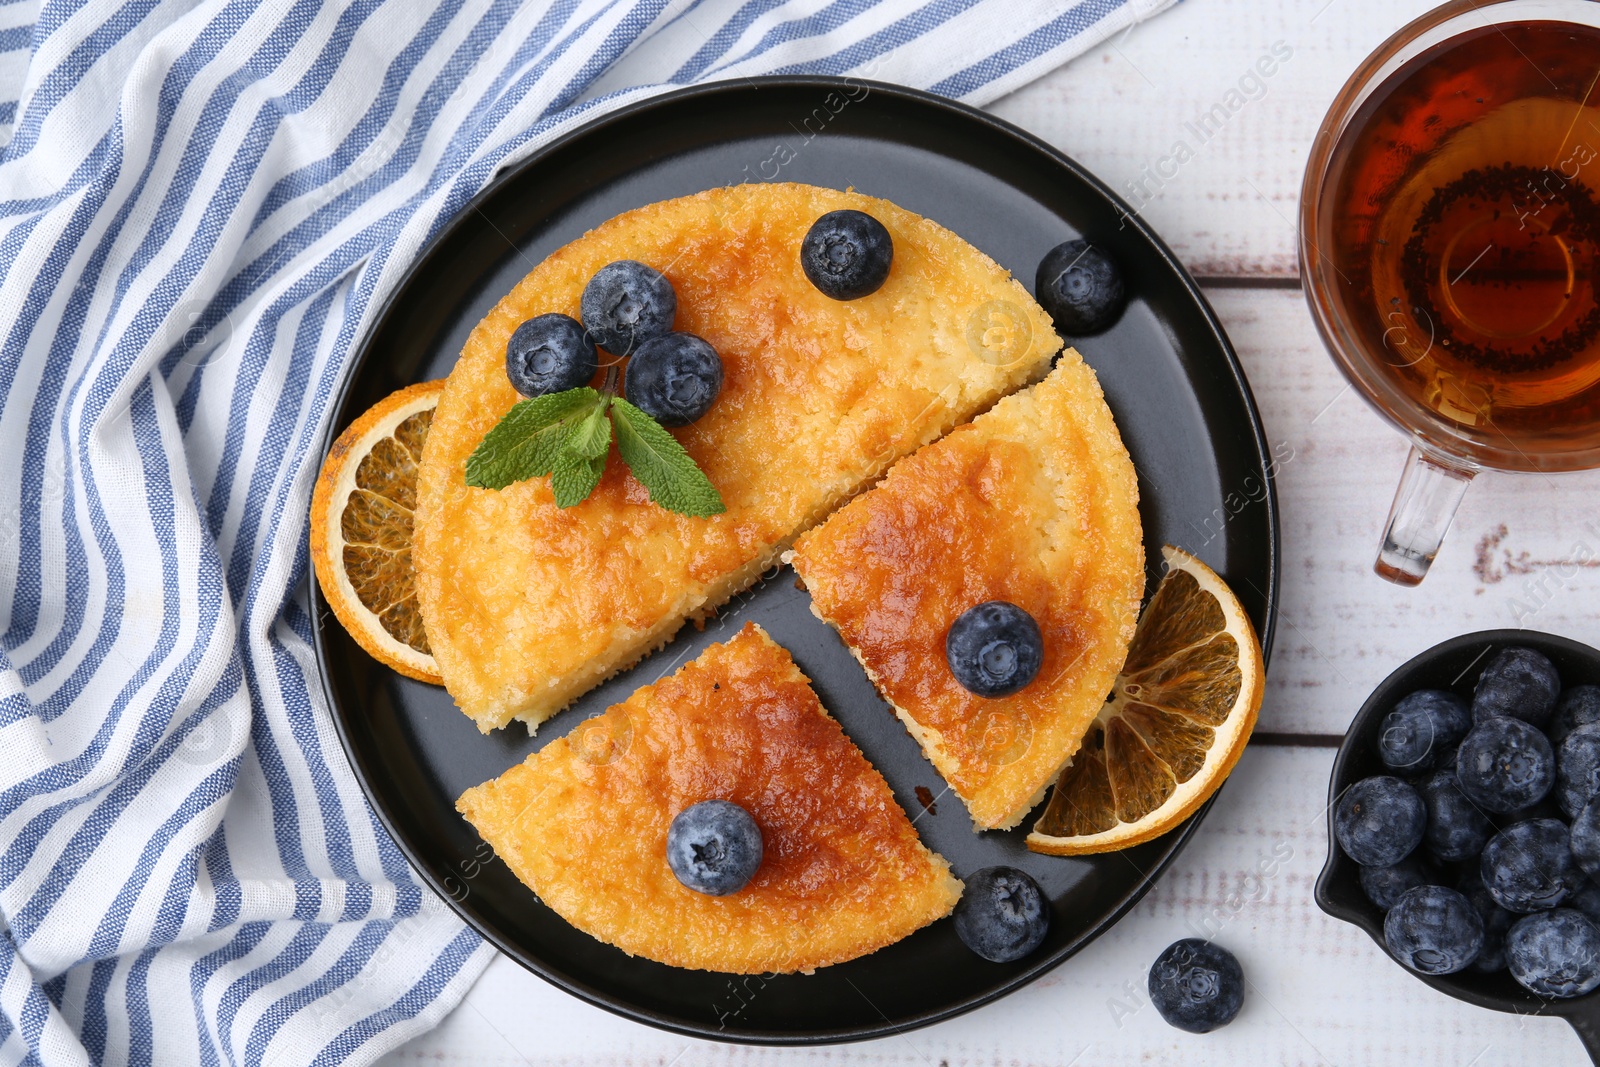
(1319, 991)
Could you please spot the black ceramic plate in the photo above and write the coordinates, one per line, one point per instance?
(1452, 665)
(1170, 377)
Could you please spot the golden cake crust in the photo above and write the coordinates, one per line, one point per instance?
(1034, 502)
(583, 822)
(527, 605)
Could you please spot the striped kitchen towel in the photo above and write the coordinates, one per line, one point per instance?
(201, 204)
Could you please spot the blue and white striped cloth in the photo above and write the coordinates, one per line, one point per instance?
(200, 205)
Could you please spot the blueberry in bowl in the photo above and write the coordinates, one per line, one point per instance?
(1384, 886)
(1578, 770)
(1494, 834)
(1519, 682)
(1579, 706)
(1433, 930)
(1584, 840)
(1457, 829)
(1505, 765)
(1379, 821)
(1496, 921)
(1423, 730)
(1529, 867)
(1556, 952)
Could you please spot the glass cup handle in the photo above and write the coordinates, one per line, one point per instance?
(1430, 490)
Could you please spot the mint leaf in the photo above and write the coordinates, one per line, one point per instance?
(575, 476)
(592, 438)
(661, 465)
(527, 440)
(567, 435)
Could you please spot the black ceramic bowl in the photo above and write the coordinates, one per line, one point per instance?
(1452, 665)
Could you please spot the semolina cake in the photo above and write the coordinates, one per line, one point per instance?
(527, 605)
(584, 822)
(1035, 503)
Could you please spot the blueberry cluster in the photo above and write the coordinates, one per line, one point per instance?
(628, 309)
(1481, 844)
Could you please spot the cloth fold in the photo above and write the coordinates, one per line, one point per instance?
(201, 205)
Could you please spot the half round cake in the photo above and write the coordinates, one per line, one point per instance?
(528, 605)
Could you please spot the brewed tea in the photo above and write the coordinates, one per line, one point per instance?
(1466, 228)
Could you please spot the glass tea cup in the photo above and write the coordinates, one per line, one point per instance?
(1450, 250)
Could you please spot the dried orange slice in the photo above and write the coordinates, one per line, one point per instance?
(1177, 720)
(361, 529)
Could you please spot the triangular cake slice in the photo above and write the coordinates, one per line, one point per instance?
(527, 605)
(583, 822)
(1034, 502)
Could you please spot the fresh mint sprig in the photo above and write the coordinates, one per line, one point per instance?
(661, 465)
(567, 435)
(526, 442)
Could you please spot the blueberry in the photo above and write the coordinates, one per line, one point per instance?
(1584, 839)
(1496, 921)
(1578, 770)
(1518, 682)
(1492, 957)
(1586, 900)
(550, 354)
(846, 254)
(674, 378)
(1003, 914)
(1543, 809)
(1447, 762)
(1530, 866)
(1433, 930)
(994, 649)
(1578, 706)
(1197, 986)
(627, 303)
(1421, 729)
(1457, 829)
(1384, 885)
(1555, 953)
(1505, 764)
(714, 847)
(1081, 287)
(1379, 821)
